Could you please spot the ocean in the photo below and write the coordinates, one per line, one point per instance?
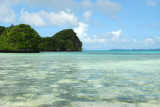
(80, 79)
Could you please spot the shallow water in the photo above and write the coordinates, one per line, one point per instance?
(80, 79)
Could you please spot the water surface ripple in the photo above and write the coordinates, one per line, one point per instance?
(80, 79)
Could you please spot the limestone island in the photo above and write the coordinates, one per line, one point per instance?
(24, 39)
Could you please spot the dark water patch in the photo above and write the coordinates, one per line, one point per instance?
(72, 97)
(46, 105)
(132, 99)
(64, 103)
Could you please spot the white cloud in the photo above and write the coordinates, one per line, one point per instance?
(87, 15)
(149, 41)
(82, 33)
(44, 18)
(61, 19)
(94, 39)
(6, 14)
(108, 7)
(151, 3)
(114, 35)
(81, 30)
(68, 10)
(104, 6)
(34, 19)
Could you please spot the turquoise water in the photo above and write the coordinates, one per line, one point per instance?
(80, 79)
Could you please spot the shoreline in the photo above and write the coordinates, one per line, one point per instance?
(34, 51)
(19, 51)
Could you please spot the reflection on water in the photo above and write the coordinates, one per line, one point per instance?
(76, 79)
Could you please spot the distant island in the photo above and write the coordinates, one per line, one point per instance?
(24, 39)
(134, 50)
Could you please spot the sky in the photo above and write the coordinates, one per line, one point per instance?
(100, 24)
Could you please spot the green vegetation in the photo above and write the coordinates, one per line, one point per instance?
(2, 29)
(23, 38)
(19, 38)
(65, 40)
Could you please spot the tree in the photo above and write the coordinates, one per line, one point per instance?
(2, 29)
(12, 26)
(20, 38)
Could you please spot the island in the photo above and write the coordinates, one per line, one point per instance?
(134, 50)
(23, 38)
(65, 40)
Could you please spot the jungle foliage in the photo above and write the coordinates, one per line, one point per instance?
(23, 38)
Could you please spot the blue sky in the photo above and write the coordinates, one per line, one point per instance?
(100, 24)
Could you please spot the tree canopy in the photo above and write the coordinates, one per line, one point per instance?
(65, 40)
(19, 38)
(2, 29)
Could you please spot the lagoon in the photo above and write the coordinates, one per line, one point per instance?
(80, 79)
